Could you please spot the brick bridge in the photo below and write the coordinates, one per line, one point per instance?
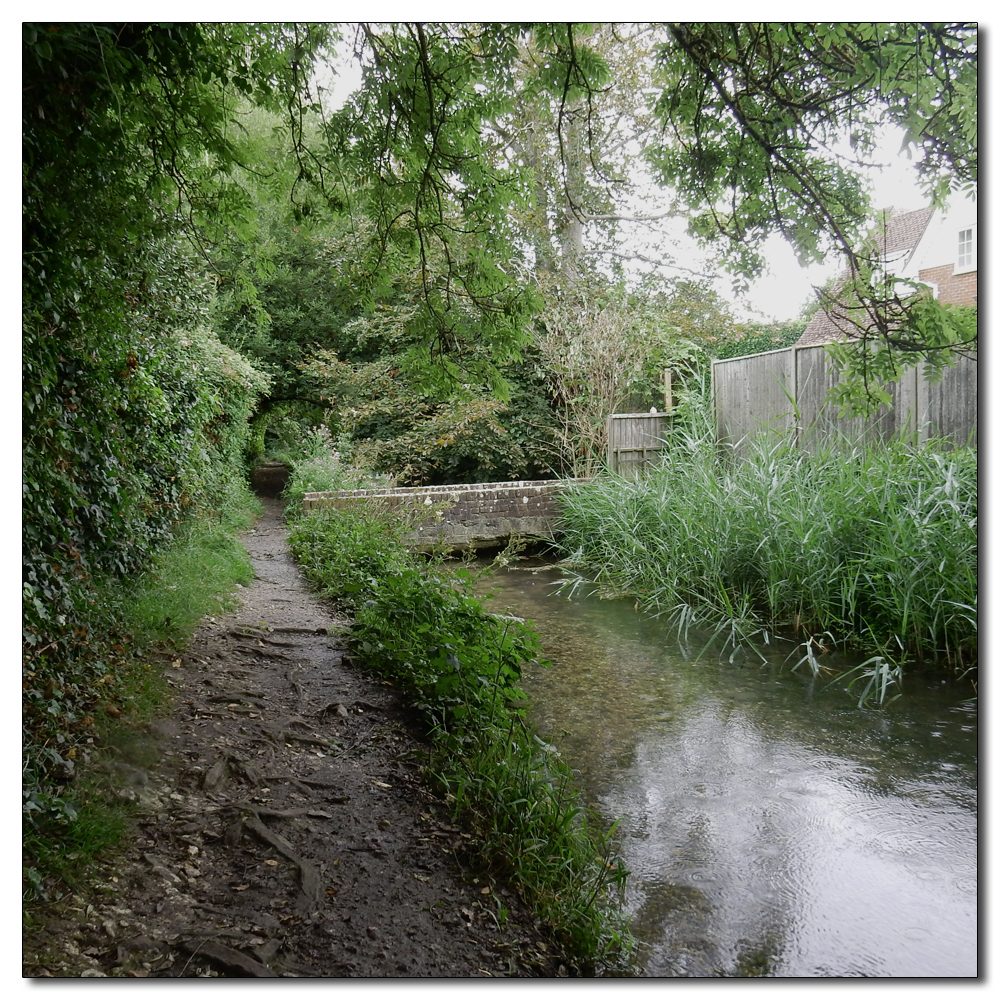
(477, 516)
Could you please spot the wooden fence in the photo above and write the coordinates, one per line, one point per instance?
(785, 391)
(634, 440)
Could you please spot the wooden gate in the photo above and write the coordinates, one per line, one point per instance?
(635, 441)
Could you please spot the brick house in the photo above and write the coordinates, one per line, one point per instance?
(947, 253)
(936, 247)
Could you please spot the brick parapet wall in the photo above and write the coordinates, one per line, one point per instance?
(465, 516)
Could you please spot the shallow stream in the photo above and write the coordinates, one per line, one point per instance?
(771, 827)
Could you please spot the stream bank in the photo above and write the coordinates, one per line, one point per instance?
(284, 830)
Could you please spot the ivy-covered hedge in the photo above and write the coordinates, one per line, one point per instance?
(134, 414)
(121, 444)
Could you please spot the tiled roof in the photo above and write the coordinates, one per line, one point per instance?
(820, 330)
(904, 229)
(902, 233)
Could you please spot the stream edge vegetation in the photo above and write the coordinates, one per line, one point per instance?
(872, 549)
(458, 665)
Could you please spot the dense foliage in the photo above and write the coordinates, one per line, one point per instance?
(423, 629)
(135, 415)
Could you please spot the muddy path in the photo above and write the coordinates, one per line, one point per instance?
(284, 829)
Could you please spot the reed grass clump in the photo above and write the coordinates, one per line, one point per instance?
(875, 547)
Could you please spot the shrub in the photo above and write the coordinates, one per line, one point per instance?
(322, 465)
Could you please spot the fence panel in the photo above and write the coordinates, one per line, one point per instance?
(634, 440)
(819, 421)
(950, 407)
(753, 395)
(765, 392)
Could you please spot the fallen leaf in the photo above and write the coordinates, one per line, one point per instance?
(381, 784)
(422, 878)
(484, 892)
(241, 888)
(271, 862)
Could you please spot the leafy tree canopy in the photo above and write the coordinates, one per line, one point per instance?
(756, 116)
(756, 113)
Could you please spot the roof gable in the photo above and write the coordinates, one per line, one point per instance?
(904, 229)
(901, 234)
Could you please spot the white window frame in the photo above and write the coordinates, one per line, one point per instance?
(972, 263)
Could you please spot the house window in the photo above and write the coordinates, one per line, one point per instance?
(966, 250)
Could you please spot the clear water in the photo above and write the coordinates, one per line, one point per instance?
(770, 825)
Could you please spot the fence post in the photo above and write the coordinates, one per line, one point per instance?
(914, 422)
(797, 416)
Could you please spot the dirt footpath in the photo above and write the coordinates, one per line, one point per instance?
(285, 830)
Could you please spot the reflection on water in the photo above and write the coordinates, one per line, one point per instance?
(771, 826)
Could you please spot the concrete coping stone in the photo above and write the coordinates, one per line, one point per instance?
(538, 486)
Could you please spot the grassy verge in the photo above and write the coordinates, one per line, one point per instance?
(85, 702)
(459, 666)
(869, 548)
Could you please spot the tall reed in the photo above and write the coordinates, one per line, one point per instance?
(874, 546)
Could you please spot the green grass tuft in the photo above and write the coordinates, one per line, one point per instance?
(86, 716)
